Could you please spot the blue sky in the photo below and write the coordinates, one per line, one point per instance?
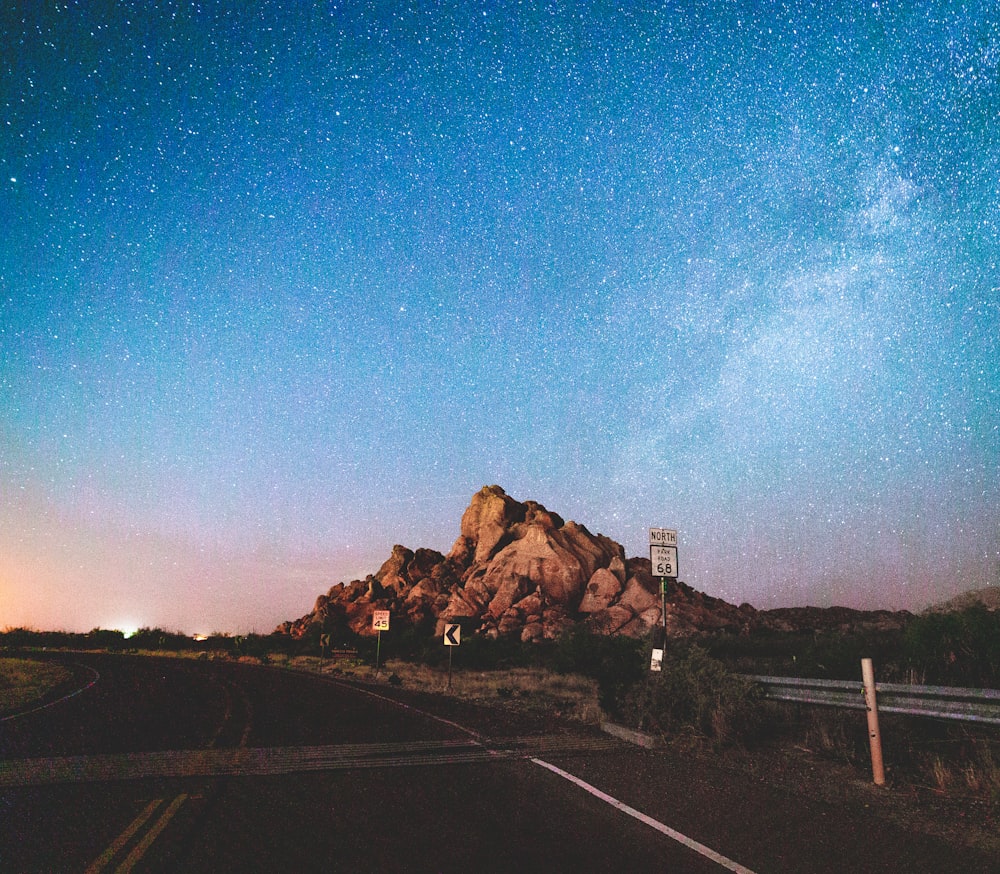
(282, 285)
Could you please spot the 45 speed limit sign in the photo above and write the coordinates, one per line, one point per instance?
(664, 561)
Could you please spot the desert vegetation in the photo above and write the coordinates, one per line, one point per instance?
(701, 696)
(23, 681)
(956, 648)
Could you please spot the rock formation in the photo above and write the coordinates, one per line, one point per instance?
(519, 569)
(988, 597)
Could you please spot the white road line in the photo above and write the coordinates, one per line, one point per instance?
(97, 676)
(707, 852)
(473, 734)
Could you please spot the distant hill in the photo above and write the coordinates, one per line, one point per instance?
(518, 569)
(988, 597)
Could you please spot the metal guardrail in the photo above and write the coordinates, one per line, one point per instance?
(942, 702)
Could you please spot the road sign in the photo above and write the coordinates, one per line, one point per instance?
(380, 620)
(664, 561)
(452, 634)
(656, 660)
(662, 537)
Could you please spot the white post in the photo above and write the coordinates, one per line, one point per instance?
(874, 737)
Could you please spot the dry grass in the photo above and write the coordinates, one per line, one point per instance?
(942, 775)
(975, 774)
(528, 689)
(956, 762)
(23, 681)
(832, 733)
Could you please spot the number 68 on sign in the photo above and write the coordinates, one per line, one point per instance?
(664, 561)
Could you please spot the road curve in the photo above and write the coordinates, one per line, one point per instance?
(170, 765)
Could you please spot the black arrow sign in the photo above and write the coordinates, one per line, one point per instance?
(452, 635)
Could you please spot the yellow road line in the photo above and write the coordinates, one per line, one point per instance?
(139, 850)
(101, 861)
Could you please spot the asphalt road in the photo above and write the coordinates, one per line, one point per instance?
(163, 765)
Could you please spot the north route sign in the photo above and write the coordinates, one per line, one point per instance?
(664, 561)
(380, 620)
(662, 537)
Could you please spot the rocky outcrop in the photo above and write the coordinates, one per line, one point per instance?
(515, 569)
(988, 597)
(519, 569)
(841, 620)
(525, 571)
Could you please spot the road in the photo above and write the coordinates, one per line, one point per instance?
(162, 765)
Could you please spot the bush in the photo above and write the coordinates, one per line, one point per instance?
(157, 639)
(480, 653)
(956, 649)
(694, 693)
(820, 655)
(617, 663)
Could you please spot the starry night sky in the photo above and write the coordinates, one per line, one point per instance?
(283, 284)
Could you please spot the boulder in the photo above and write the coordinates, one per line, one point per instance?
(531, 605)
(510, 622)
(609, 621)
(392, 574)
(617, 567)
(485, 522)
(637, 597)
(602, 589)
(532, 631)
(642, 624)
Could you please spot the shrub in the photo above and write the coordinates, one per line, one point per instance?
(694, 693)
(481, 653)
(157, 639)
(829, 655)
(956, 649)
(616, 662)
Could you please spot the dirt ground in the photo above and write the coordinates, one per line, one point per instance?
(779, 761)
(960, 820)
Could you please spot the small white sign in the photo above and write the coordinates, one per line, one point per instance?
(380, 620)
(662, 536)
(664, 561)
(656, 661)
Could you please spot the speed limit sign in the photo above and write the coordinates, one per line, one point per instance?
(664, 561)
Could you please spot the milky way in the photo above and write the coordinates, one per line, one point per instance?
(284, 284)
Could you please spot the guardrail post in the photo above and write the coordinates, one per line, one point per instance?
(874, 737)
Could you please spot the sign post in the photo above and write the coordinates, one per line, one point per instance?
(663, 562)
(452, 637)
(380, 622)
